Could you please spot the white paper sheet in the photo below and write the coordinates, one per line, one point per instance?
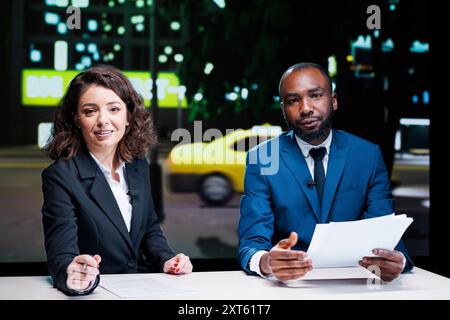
(343, 244)
(358, 272)
(139, 287)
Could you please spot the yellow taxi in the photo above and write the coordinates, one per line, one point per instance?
(215, 170)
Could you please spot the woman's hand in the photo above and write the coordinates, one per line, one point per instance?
(180, 264)
(82, 271)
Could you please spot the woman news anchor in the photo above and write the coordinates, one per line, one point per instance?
(98, 214)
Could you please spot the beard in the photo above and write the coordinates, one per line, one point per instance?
(320, 132)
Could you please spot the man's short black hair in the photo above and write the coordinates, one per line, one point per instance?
(301, 66)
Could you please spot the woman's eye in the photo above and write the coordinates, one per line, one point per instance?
(88, 111)
(115, 109)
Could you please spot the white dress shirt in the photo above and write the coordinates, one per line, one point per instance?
(119, 190)
(305, 147)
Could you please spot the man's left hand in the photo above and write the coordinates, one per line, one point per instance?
(389, 262)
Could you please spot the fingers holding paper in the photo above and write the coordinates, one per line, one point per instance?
(390, 262)
(284, 263)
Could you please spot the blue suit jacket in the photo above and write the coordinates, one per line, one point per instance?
(356, 187)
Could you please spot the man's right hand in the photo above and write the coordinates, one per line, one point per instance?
(82, 271)
(284, 263)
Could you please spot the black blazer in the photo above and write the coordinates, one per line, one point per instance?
(81, 216)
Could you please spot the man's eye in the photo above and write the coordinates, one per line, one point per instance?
(316, 96)
(290, 101)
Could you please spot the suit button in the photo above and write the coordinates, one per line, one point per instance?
(131, 264)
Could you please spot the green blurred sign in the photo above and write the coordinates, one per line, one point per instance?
(45, 88)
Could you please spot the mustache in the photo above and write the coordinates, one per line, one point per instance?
(308, 118)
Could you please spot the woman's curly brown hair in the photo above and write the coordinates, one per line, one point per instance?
(67, 140)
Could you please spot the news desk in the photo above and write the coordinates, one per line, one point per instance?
(236, 285)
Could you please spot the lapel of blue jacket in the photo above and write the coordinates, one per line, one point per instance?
(295, 162)
(136, 188)
(101, 193)
(336, 163)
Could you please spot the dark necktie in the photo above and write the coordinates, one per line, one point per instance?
(319, 171)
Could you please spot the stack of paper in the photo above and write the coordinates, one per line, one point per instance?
(343, 244)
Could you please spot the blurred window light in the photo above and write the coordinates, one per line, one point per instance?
(80, 3)
(426, 97)
(236, 89)
(96, 56)
(392, 7)
(376, 33)
(60, 57)
(51, 18)
(44, 133)
(208, 68)
(86, 61)
(139, 27)
(162, 58)
(117, 47)
(333, 86)
(414, 122)
(62, 3)
(140, 3)
(220, 3)
(79, 66)
(254, 86)
(121, 30)
(50, 2)
(168, 50)
(419, 47)
(137, 19)
(111, 4)
(232, 96)
(398, 141)
(107, 27)
(415, 99)
(387, 46)
(92, 25)
(62, 28)
(332, 66)
(198, 96)
(92, 48)
(178, 57)
(175, 25)
(363, 42)
(35, 55)
(244, 93)
(349, 58)
(111, 56)
(80, 47)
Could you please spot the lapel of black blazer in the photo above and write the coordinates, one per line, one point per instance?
(136, 183)
(295, 162)
(101, 193)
